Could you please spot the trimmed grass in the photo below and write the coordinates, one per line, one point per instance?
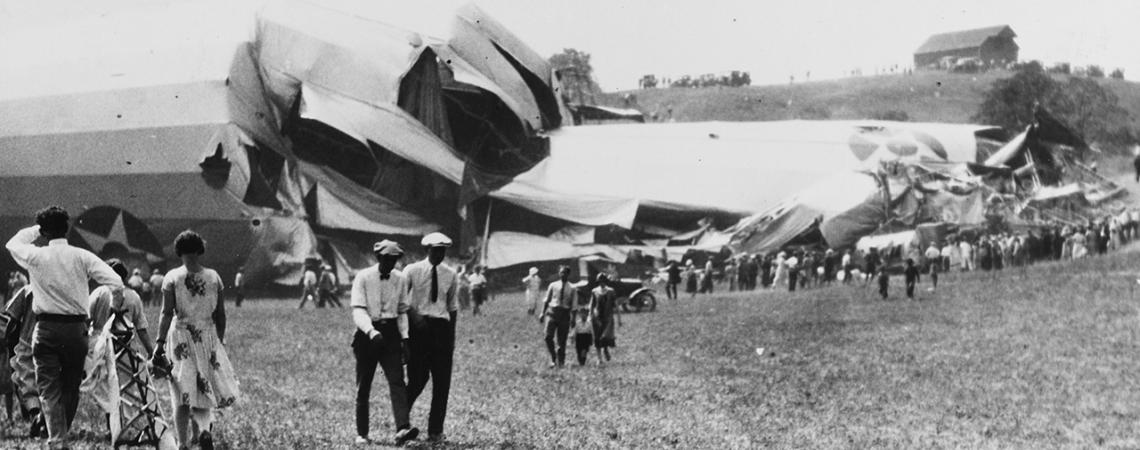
(1044, 357)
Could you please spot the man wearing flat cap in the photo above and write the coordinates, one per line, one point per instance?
(379, 311)
(432, 287)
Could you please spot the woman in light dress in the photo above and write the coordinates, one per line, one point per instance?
(192, 331)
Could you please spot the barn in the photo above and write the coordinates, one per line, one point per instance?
(989, 46)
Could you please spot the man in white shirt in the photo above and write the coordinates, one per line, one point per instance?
(59, 274)
(561, 298)
(309, 288)
(239, 287)
(933, 262)
(379, 311)
(433, 307)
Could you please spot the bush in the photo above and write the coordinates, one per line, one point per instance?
(1117, 74)
(1061, 68)
(1095, 71)
(892, 115)
(1092, 111)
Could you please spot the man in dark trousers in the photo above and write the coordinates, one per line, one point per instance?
(674, 274)
(911, 275)
(379, 311)
(432, 313)
(561, 297)
(59, 274)
(1136, 165)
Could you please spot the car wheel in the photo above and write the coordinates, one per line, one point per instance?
(645, 300)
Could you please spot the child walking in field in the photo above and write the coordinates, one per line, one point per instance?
(911, 275)
(884, 282)
(583, 334)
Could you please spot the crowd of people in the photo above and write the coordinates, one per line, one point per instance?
(53, 324)
(805, 267)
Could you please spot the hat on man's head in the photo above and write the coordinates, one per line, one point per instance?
(387, 247)
(534, 271)
(436, 239)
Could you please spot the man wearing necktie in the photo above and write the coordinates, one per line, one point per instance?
(561, 297)
(431, 286)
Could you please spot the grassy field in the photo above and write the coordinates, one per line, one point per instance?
(1044, 357)
(925, 96)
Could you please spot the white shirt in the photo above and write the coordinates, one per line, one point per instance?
(374, 299)
(477, 280)
(559, 297)
(59, 273)
(419, 286)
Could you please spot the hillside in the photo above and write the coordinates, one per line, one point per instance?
(923, 96)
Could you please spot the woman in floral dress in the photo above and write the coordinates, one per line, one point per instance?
(193, 327)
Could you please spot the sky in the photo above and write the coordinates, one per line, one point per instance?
(626, 39)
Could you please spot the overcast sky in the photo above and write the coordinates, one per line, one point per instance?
(771, 39)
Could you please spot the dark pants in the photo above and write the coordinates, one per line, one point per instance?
(582, 343)
(478, 297)
(59, 350)
(910, 289)
(239, 296)
(557, 325)
(432, 348)
(793, 278)
(390, 359)
(671, 290)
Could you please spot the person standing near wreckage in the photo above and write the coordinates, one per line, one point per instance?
(59, 274)
(380, 313)
(561, 297)
(192, 330)
(432, 313)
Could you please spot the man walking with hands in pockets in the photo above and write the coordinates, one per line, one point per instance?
(432, 313)
(379, 311)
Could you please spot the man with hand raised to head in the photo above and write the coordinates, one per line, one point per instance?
(59, 274)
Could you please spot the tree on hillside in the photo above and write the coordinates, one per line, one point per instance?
(577, 75)
(1117, 74)
(1092, 111)
(1009, 101)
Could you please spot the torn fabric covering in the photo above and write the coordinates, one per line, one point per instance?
(732, 167)
(833, 204)
(281, 245)
(907, 239)
(345, 205)
(349, 259)
(472, 43)
(358, 58)
(508, 248)
(386, 125)
(968, 209)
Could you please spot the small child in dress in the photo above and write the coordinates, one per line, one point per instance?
(583, 334)
(911, 275)
(884, 282)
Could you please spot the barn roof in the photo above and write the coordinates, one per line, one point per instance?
(963, 39)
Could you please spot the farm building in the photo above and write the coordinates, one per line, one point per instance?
(988, 46)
